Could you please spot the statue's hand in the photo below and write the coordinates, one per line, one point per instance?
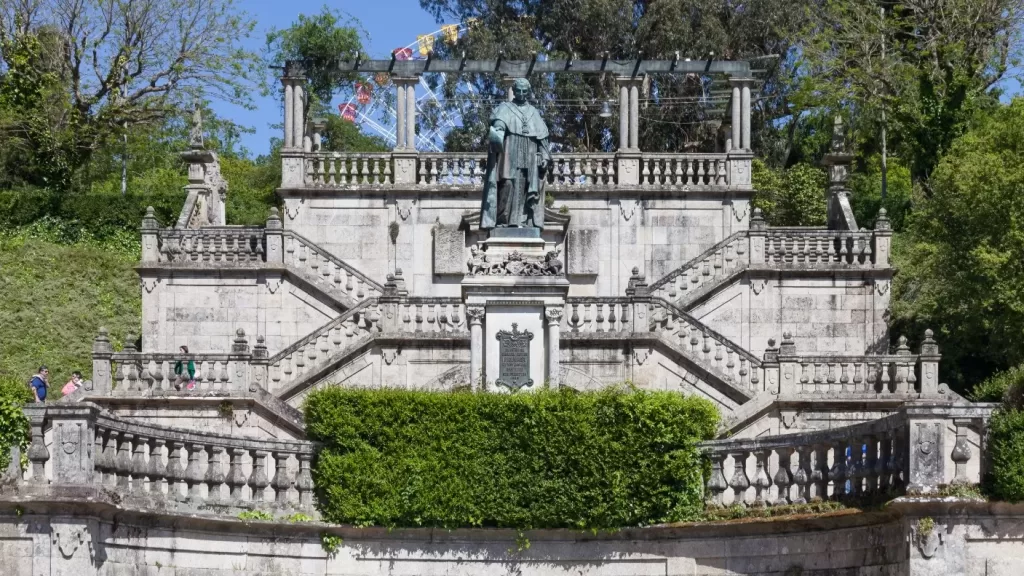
(496, 138)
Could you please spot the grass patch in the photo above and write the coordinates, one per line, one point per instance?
(56, 296)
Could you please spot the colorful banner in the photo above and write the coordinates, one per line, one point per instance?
(451, 33)
(426, 43)
(348, 112)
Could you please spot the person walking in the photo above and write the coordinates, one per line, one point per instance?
(39, 383)
(74, 384)
(184, 371)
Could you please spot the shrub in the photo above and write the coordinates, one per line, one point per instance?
(1006, 445)
(995, 387)
(13, 424)
(547, 459)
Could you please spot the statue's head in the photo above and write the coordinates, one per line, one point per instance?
(520, 90)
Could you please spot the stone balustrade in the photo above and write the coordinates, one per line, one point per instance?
(170, 466)
(327, 270)
(905, 452)
(568, 171)
(595, 315)
(315, 351)
(683, 170)
(710, 267)
(431, 315)
(723, 356)
(336, 169)
(816, 246)
(901, 374)
(213, 245)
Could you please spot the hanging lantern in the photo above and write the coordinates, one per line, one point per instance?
(451, 33)
(426, 43)
(403, 53)
(381, 78)
(348, 112)
(363, 93)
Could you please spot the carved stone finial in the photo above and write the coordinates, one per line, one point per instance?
(788, 346)
(149, 220)
(195, 135)
(882, 222)
(259, 351)
(901, 346)
(129, 344)
(929, 347)
(241, 343)
(757, 220)
(771, 342)
(101, 343)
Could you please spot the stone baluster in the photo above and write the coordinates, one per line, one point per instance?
(123, 462)
(855, 468)
(175, 471)
(193, 477)
(803, 475)
(869, 470)
(961, 452)
(99, 465)
(37, 452)
(820, 473)
(716, 484)
(784, 476)
(762, 483)
(258, 480)
(215, 473)
(236, 479)
(139, 469)
(882, 469)
(157, 468)
(304, 482)
(282, 481)
(838, 473)
(739, 481)
(109, 458)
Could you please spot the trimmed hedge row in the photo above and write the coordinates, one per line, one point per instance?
(547, 459)
(1006, 445)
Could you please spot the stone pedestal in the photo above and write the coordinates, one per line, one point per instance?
(515, 297)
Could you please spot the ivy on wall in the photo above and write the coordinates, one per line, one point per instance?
(548, 459)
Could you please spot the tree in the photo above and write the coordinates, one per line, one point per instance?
(920, 67)
(676, 118)
(961, 258)
(110, 64)
(790, 197)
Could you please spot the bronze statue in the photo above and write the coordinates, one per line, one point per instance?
(517, 163)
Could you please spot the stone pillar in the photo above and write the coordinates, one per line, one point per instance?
(73, 432)
(623, 115)
(929, 360)
(757, 235)
(640, 297)
(298, 113)
(150, 228)
(259, 376)
(274, 237)
(475, 315)
(745, 115)
(789, 367)
(101, 353)
(736, 122)
(883, 239)
(634, 115)
(399, 115)
(288, 99)
(771, 368)
(410, 112)
(553, 315)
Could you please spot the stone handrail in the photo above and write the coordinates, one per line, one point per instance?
(185, 219)
(172, 466)
(866, 459)
(569, 170)
(143, 372)
(710, 266)
(597, 314)
(683, 170)
(902, 374)
(340, 169)
(720, 354)
(327, 269)
(817, 246)
(220, 245)
(431, 315)
(316, 350)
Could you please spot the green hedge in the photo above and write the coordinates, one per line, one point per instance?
(1006, 445)
(547, 459)
(13, 424)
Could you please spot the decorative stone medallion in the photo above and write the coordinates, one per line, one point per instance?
(514, 358)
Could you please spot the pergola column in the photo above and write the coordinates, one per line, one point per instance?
(292, 156)
(741, 113)
(627, 159)
(405, 129)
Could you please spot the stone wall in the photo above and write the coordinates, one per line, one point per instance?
(656, 232)
(204, 309)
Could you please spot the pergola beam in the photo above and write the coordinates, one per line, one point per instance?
(523, 68)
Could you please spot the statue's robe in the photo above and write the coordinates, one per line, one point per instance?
(514, 181)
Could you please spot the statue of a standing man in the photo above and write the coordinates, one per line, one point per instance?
(517, 161)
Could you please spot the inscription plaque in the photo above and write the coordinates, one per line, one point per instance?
(514, 358)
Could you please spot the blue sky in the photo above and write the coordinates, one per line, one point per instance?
(389, 23)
